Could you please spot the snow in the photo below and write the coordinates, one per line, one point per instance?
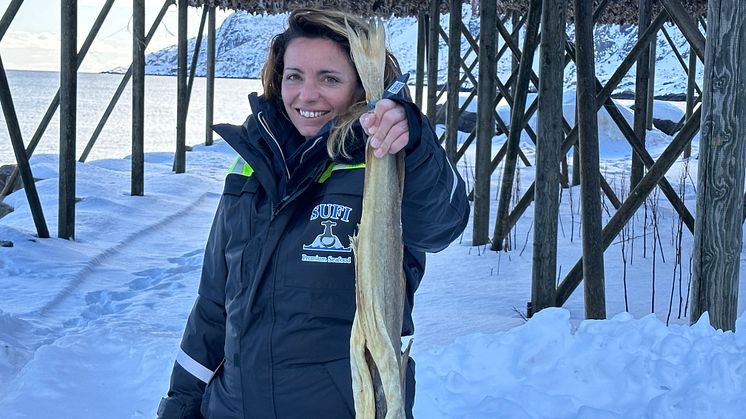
(89, 328)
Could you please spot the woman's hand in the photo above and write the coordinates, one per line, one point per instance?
(387, 124)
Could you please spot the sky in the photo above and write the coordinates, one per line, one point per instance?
(90, 328)
(33, 39)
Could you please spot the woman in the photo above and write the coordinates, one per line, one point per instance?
(268, 336)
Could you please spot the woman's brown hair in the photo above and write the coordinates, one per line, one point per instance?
(324, 24)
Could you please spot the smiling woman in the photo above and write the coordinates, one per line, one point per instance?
(269, 335)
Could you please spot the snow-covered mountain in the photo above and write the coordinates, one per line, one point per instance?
(242, 41)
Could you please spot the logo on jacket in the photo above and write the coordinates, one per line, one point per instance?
(327, 241)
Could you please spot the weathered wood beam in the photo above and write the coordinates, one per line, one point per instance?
(653, 53)
(647, 160)
(137, 177)
(590, 202)
(691, 84)
(181, 88)
(642, 79)
(421, 51)
(632, 57)
(8, 16)
(195, 55)
(550, 133)
(485, 121)
(718, 235)
(680, 57)
(22, 163)
(68, 118)
(210, 82)
(687, 25)
(453, 85)
(531, 41)
(432, 59)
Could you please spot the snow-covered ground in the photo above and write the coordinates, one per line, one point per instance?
(90, 328)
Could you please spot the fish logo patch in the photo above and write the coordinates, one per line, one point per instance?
(330, 215)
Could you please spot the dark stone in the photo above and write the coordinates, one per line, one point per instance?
(669, 127)
(6, 243)
(467, 121)
(5, 172)
(5, 209)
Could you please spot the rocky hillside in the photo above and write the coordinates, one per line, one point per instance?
(242, 40)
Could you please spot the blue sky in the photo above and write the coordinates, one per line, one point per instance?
(33, 39)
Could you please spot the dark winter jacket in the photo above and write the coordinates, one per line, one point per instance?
(268, 336)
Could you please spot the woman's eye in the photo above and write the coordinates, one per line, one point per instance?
(331, 80)
(292, 77)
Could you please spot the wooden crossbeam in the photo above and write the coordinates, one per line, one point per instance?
(679, 57)
(52, 108)
(8, 16)
(531, 41)
(636, 198)
(639, 47)
(687, 25)
(16, 139)
(120, 88)
(195, 54)
(571, 133)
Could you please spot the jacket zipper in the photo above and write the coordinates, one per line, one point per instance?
(272, 136)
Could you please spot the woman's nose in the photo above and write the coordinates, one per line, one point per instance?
(309, 92)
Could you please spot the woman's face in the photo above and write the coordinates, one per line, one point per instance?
(318, 83)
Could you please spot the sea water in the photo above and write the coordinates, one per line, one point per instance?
(33, 91)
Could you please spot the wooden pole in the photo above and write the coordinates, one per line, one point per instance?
(210, 82)
(68, 101)
(181, 89)
(453, 86)
(422, 40)
(590, 202)
(195, 56)
(517, 115)
(515, 20)
(651, 83)
(485, 121)
(137, 186)
(120, 88)
(718, 233)
(642, 78)
(687, 25)
(678, 55)
(16, 140)
(550, 134)
(691, 83)
(432, 59)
